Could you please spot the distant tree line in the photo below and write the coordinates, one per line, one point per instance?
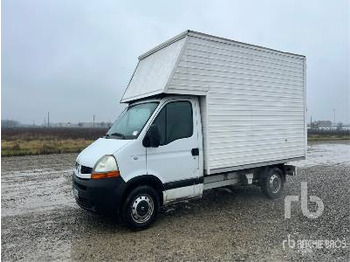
(39, 133)
(329, 132)
(10, 123)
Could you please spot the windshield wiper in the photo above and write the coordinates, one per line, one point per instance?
(116, 134)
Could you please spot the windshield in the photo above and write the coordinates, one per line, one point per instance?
(131, 121)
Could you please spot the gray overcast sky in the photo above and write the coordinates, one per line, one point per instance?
(75, 58)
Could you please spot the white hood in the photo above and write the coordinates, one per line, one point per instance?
(102, 146)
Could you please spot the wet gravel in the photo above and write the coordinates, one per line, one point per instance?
(41, 222)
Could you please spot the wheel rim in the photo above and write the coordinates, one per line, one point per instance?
(275, 183)
(142, 209)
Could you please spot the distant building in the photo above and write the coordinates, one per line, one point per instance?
(321, 124)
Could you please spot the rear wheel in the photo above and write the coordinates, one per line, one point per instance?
(141, 207)
(272, 182)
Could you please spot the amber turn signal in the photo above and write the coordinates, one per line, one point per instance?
(105, 175)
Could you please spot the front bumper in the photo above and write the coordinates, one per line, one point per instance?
(103, 196)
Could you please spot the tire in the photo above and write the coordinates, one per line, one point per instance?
(272, 182)
(141, 208)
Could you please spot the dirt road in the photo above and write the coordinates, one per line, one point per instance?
(40, 220)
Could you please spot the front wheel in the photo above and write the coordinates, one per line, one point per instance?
(272, 182)
(141, 207)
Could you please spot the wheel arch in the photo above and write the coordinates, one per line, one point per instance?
(262, 171)
(149, 180)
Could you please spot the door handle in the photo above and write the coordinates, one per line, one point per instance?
(195, 151)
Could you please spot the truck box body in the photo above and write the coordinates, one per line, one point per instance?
(252, 98)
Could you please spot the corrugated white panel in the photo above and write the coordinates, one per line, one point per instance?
(254, 106)
(152, 72)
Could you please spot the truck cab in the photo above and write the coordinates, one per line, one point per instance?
(155, 147)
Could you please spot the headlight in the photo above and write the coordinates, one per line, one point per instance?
(105, 167)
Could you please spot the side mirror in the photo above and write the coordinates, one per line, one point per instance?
(152, 137)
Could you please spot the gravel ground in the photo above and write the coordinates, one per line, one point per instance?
(41, 222)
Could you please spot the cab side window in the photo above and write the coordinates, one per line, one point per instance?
(175, 121)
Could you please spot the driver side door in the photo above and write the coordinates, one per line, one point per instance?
(176, 160)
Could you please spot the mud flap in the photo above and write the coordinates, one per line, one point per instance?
(290, 170)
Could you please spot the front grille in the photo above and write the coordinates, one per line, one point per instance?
(82, 169)
(85, 170)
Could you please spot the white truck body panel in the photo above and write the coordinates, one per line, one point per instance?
(252, 98)
(153, 72)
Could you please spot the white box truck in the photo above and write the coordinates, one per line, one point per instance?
(202, 112)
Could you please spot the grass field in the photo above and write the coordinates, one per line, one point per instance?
(36, 141)
(38, 147)
(326, 138)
